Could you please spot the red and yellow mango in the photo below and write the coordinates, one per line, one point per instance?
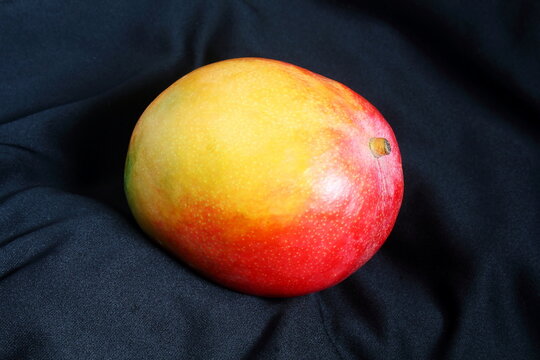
(265, 177)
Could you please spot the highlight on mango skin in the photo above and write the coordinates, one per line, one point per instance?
(265, 177)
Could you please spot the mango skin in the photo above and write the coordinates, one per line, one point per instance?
(259, 175)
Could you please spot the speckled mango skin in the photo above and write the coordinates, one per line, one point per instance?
(258, 174)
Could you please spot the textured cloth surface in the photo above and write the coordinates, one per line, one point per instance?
(458, 278)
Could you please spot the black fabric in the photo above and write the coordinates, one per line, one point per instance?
(458, 278)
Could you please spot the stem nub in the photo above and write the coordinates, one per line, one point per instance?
(379, 146)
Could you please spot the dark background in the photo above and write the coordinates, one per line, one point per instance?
(459, 82)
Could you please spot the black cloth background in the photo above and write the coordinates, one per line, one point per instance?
(458, 278)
